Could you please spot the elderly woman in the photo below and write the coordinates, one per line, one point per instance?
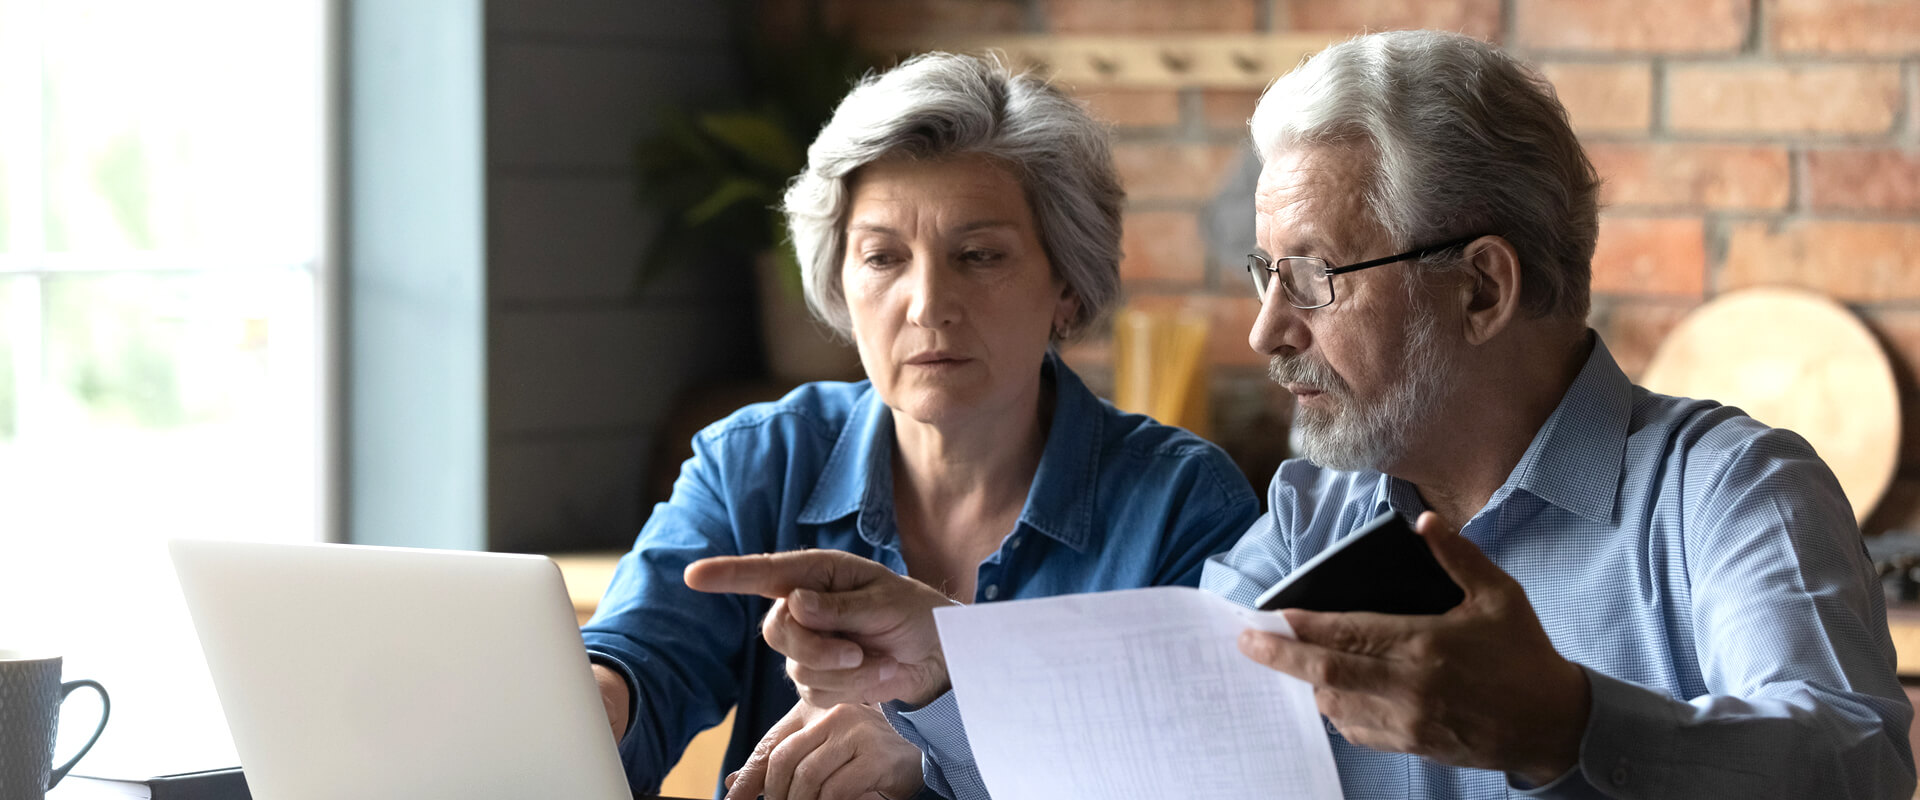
(956, 222)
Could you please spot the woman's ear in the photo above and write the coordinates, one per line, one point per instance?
(1491, 291)
(1066, 311)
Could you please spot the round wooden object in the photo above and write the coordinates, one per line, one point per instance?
(1797, 360)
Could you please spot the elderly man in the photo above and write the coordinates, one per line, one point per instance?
(1664, 598)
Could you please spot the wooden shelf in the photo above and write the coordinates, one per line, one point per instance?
(1159, 61)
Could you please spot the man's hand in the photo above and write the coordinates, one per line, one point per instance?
(848, 751)
(1479, 686)
(851, 629)
(613, 695)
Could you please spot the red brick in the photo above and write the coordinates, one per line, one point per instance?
(1604, 98)
(1147, 16)
(894, 18)
(1844, 27)
(1651, 256)
(1634, 328)
(1853, 261)
(1640, 26)
(1863, 180)
(1692, 175)
(1135, 108)
(1798, 99)
(1162, 246)
(1477, 18)
(1913, 109)
(1228, 109)
(1171, 171)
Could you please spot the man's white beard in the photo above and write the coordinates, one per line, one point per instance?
(1348, 436)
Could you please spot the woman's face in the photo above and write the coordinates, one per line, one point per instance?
(949, 288)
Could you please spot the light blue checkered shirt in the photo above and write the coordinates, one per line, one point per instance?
(1704, 569)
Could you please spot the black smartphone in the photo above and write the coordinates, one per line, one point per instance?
(1383, 567)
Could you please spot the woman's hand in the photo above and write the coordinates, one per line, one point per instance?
(848, 751)
(613, 695)
(851, 629)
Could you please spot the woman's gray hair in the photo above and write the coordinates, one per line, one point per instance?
(941, 105)
(1465, 139)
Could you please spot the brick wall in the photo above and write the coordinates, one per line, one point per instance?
(1743, 142)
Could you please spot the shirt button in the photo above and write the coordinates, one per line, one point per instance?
(1014, 543)
(1619, 775)
(992, 591)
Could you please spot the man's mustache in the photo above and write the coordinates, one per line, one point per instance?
(1307, 371)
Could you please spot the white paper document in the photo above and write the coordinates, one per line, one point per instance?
(1138, 693)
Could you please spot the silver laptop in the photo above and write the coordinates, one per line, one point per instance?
(373, 672)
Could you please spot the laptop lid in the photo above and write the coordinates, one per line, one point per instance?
(374, 672)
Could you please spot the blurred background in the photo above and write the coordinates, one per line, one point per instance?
(454, 273)
(1743, 143)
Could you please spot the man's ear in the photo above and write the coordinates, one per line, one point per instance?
(1490, 292)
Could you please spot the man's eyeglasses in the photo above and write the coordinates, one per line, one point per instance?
(1308, 281)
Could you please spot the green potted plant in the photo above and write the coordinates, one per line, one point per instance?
(718, 172)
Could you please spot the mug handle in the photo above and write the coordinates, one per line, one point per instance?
(106, 709)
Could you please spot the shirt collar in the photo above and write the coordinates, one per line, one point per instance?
(1576, 459)
(1391, 493)
(859, 467)
(858, 475)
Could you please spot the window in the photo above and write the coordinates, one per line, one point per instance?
(162, 221)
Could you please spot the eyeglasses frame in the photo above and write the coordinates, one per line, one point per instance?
(1329, 271)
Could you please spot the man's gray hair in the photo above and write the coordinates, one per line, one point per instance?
(1465, 139)
(941, 105)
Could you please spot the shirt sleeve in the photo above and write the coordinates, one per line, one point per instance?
(946, 761)
(1241, 574)
(1789, 624)
(1209, 526)
(676, 647)
(1264, 554)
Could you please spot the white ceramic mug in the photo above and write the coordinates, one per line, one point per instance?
(30, 698)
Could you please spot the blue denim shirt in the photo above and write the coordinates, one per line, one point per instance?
(1118, 501)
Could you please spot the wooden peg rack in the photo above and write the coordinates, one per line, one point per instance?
(1247, 61)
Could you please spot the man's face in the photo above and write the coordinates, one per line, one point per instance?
(1370, 369)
